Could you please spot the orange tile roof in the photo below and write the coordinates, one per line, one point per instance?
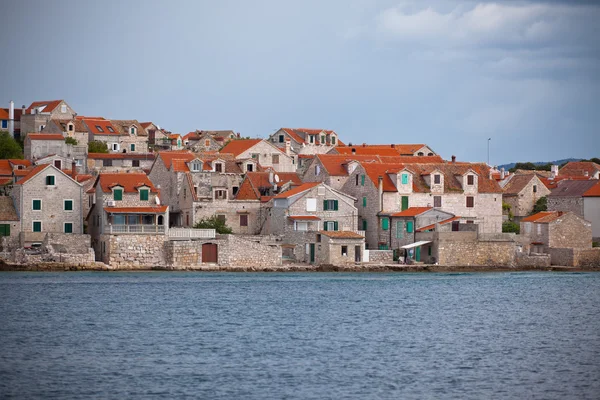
(237, 147)
(145, 125)
(342, 234)
(432, 226)
(50, 105)
(543, 217)
(130, 181)
(594, 191)
(250, 189)
(411, 212)
(4, 181)
(5, 167)
(100, 126)
(169, 156)
(370, 151)
(45, 136)
(137, 210)
(579, 168)
(3, 113)
(125, 156)
(83, 177)
(302, 188)
(374, 171)
(30, 173)
(304, 218)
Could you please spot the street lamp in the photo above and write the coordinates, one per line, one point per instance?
(489, 150)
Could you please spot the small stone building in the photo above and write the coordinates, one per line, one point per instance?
(548, 229)
(521, 192)
(262, 152)
(9, 220)
(339, 248)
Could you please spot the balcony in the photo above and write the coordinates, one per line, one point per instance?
(135, 229)
(190, 233)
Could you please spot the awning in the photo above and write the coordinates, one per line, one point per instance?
(416, 244)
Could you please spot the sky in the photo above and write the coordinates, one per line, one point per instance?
(450, 74)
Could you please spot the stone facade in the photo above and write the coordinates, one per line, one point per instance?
(100, 162)
(34, 120)
(558, 230)
(381, 256)
(591, 212)
(563, 203)
(572, 257)
(523, 200)
(267, 155)
(132, 251)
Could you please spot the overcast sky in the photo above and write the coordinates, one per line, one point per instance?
(450, 74)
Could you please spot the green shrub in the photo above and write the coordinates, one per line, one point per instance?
(510, 227)
(97, 147)
(214, 222)
(540, 205)
(9, 147)
(71, 140)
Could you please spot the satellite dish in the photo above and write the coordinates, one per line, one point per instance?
(276, 178)
(157, 200)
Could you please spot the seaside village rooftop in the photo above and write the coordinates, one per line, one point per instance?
(96, 192)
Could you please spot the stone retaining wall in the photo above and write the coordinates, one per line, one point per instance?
(490, 254)
(134, 251)
(381, 256)
(238, 252)
(570, 257)
(531, 260)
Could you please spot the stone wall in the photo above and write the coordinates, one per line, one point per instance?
(563, 203)
(133, 251)
(570, 230)
(464, 249)
(530, 260)
(184, 254)
(235, 251)
(570, 257)
(381, 256)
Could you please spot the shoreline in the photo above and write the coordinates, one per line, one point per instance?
(291, 268)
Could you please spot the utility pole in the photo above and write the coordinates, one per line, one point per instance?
(489, 151)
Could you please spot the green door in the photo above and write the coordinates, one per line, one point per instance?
(418, 256)
(312, 253)
(4, 230)
(404, 202)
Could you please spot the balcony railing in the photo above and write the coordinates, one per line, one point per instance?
(362, 233)
(136, 229)
(189, 233)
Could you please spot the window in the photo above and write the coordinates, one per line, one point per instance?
(470, 201)
(207, 143)
(330, 205)
(220, 194)
(144, 194)
(234, 190)
(302, 226)
(99, 128)
(78, 162)
(322, 139)
(437, 201)
(539, 229)
(534, 188)
(364, 201)
(132, 130)
(344, 251)
(107, 163)
(255, 156)
(115, 146)
(385, 224)
(330, 226)
(311, 204)
(357, 180)
(405, 179)
(399, 229)
(110, 129)
(275, 158)
(118, 194)
(362, 180)
(132, 147)
(409, 226)
(36, 205)
(68, 227)
(58, 164)
(248, 167)
(219, 167)
(135, 163)
(321, 191)
(68, 205)
(364, 225)
(311, 139)
(317, 170)
(243, 219)
(333, 140)
(404, 203)
(318, 238)
(383, 246)
(437, 179)
(470, 179)
(37, 226)
(50, 180)
(195, 166)
(420, 153)
(184, 193)
(4, 124)
(42, 127)
(63, 108)
(281, 138)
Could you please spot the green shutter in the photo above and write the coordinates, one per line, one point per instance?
(362, 180)
(429, 251)
(144, 194)
(409, 226)
(68, 205)
(50, 180)
(37, 226)
(325, 205)
(132, 147)
(4, 229)
(404, 202)
(405, 179)
(118, 194)
(68, 227)
(399, 229)
(335, 225)
(364, 201)
(335, 205)
(364, 225)
(385, 224)
(325, 226)
(37, 205)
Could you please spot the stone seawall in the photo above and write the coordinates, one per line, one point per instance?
(134, 251)
(381, 256)
(589, 258)
(489, 254)
(530, 260)
(239, 252)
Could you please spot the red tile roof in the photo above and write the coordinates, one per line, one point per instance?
(543, 217)
(432, 226)
(100, 126)
(169, 156)
(30, 173)
(342, 234)
(130, 181)
(122, 156)
(594, 191)
(237, 147)
(579, 168)
(4, 181)
(382, 150)
(4, 113)
(50, 105)
(132, 210)
(304, 218)
(302, 188)
(5, 167)
(411, 212)
(250, 189)
(45, 136)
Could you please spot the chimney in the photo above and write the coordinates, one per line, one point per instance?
(364, 145)
(554, 170)
(23, 109)
(453, 159)
(11, 119)
(502, 173)
(74, 170)
(393, 146)
(288, 147)
(586, 173)
(380, 186)
(353, 150)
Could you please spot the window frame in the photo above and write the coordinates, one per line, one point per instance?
(65, 204)
(437, 201)
(147, 194)
(33, 205)
(470, 202)
(120, 191)
(243, 219)
(437, 179)
(53, 180)
(65, 227)
(33, 226)
(470, 180)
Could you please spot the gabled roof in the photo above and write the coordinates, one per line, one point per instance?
(121, 156)
(30, 173)
(7, 209)
(169, 156)
(432, 226)
(4, 113)
(237, 147)
(49, 106)
(594, 191)
(579, 168)
(45, 136)
(543, 217)
(517, 183)
(123, 126)
(382, 149)
(573, 188)
(411, 212)
(255, 181)
(130, 181)
(100, 126)
(300, 189)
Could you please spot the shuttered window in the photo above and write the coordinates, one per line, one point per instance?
(437, 201)
(364, 201)
(68, 205)
(68, 227)
(399, 229)
(470, 201)
(37, 205)
(118, 194)
(364, 225)
(362, 180)
(330, 205)
(144, 194)
(405, 179)
(409, 226)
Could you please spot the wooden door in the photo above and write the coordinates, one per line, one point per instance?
(209, 253)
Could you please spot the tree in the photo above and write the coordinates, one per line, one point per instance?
(540, 205)
(9, 148)
(214, 222)
(97, 147)
(71, 140)
(510, 227)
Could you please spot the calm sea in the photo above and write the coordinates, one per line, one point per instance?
(300, 336)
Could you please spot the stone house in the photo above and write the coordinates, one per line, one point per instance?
(120, 161)
(73, 128)
(102, 130)
(39, 113)
(338, 248)
(39, 146)
(157, 138)
(521, 192)
(262, 152)
(304, 141)
(579, 197)
(133, 137)
(176, 141)
(9, 220)
(205, 141)
(124, 204)
(10, 119)
(48, 200)
(390, 150)
(587, 169)
(462, 189)
(555, 229)
(591, 209)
